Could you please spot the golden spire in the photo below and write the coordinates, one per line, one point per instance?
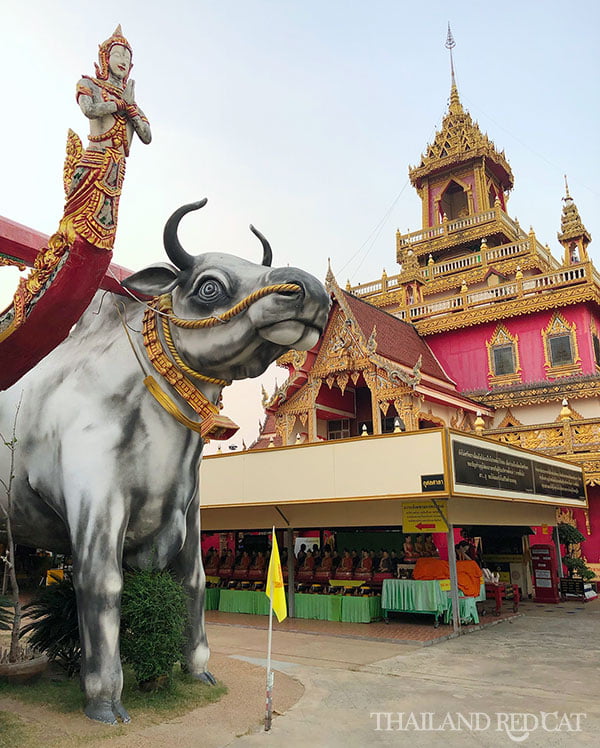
(455, 105)
(573, 234)
(450, 44)
(459, 139)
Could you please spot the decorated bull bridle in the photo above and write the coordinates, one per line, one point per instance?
(174, 369)
(171, 367)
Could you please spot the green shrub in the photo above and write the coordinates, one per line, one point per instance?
(53, 627)
(153, 618)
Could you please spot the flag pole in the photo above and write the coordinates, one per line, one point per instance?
(269, 698)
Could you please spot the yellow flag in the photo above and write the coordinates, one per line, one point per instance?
(275, 578)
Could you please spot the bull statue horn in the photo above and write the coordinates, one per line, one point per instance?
(173, 248)
(267, 251)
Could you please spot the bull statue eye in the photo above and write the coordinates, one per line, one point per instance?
(210, 290)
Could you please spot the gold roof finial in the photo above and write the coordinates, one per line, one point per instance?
(450, 44)
(567, 195)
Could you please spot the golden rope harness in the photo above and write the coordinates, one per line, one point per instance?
(166, 307)
(173, 370)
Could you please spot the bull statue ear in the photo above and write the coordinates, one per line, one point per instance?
(154, 280)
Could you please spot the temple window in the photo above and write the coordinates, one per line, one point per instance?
(454, 202)
(560, 350)
(504, 360)
(503, 357)
(560, 347)
(338, 429)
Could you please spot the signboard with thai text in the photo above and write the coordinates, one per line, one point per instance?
(482, 468)
(423, 516)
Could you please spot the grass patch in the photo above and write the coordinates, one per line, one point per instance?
(182, 695)
(13, 731)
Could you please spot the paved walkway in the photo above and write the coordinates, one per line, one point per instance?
(545, 661)
(402, 628)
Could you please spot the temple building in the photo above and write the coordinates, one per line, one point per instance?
(482, 329)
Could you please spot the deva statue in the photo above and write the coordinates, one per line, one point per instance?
(94, 177)
(69, 269)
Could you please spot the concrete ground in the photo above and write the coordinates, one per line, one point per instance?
(501, 679)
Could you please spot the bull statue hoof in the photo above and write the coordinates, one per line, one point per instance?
(206, 677)
(120, 712)
(101, 711)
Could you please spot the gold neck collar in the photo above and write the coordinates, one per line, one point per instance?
(213, 425)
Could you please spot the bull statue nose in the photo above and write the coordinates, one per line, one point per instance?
(300, 316)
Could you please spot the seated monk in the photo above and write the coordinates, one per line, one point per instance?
(385, 563)
(228, 560)
(347, 562)
(244, 562)
(419, 546)
(430, 550)
(366, 563)
(309, 562)
(259, 562)
(409, 550)
(326, 562)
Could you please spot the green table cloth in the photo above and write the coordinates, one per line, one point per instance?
(244, 601)
(414, 596)
(211, 599)
(318, 607)
(361, 609)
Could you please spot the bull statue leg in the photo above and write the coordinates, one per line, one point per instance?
(97, 541)
(188, 568)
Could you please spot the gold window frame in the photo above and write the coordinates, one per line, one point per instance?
(558, 325)
(503, 337)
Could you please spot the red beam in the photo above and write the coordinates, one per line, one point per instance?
(22, 243)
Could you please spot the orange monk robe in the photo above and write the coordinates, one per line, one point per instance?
(431, 568)
(469, 578)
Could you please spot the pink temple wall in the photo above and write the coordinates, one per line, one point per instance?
(463, 353)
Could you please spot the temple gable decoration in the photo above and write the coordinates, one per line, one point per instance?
(370, 372)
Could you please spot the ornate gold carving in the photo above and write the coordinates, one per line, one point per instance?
(342, 381)
(547, 393)
(47, 263)
(74, 154)
(578, 441)
(499, 310)
(10, 262)
(458, 140)
(508, 421)
(502, 337)
(296, 359)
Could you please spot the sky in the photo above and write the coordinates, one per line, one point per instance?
(301, 117)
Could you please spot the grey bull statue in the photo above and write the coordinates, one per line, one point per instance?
(108, 431)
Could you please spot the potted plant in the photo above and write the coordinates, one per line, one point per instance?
(17, 663)
(576, 584)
